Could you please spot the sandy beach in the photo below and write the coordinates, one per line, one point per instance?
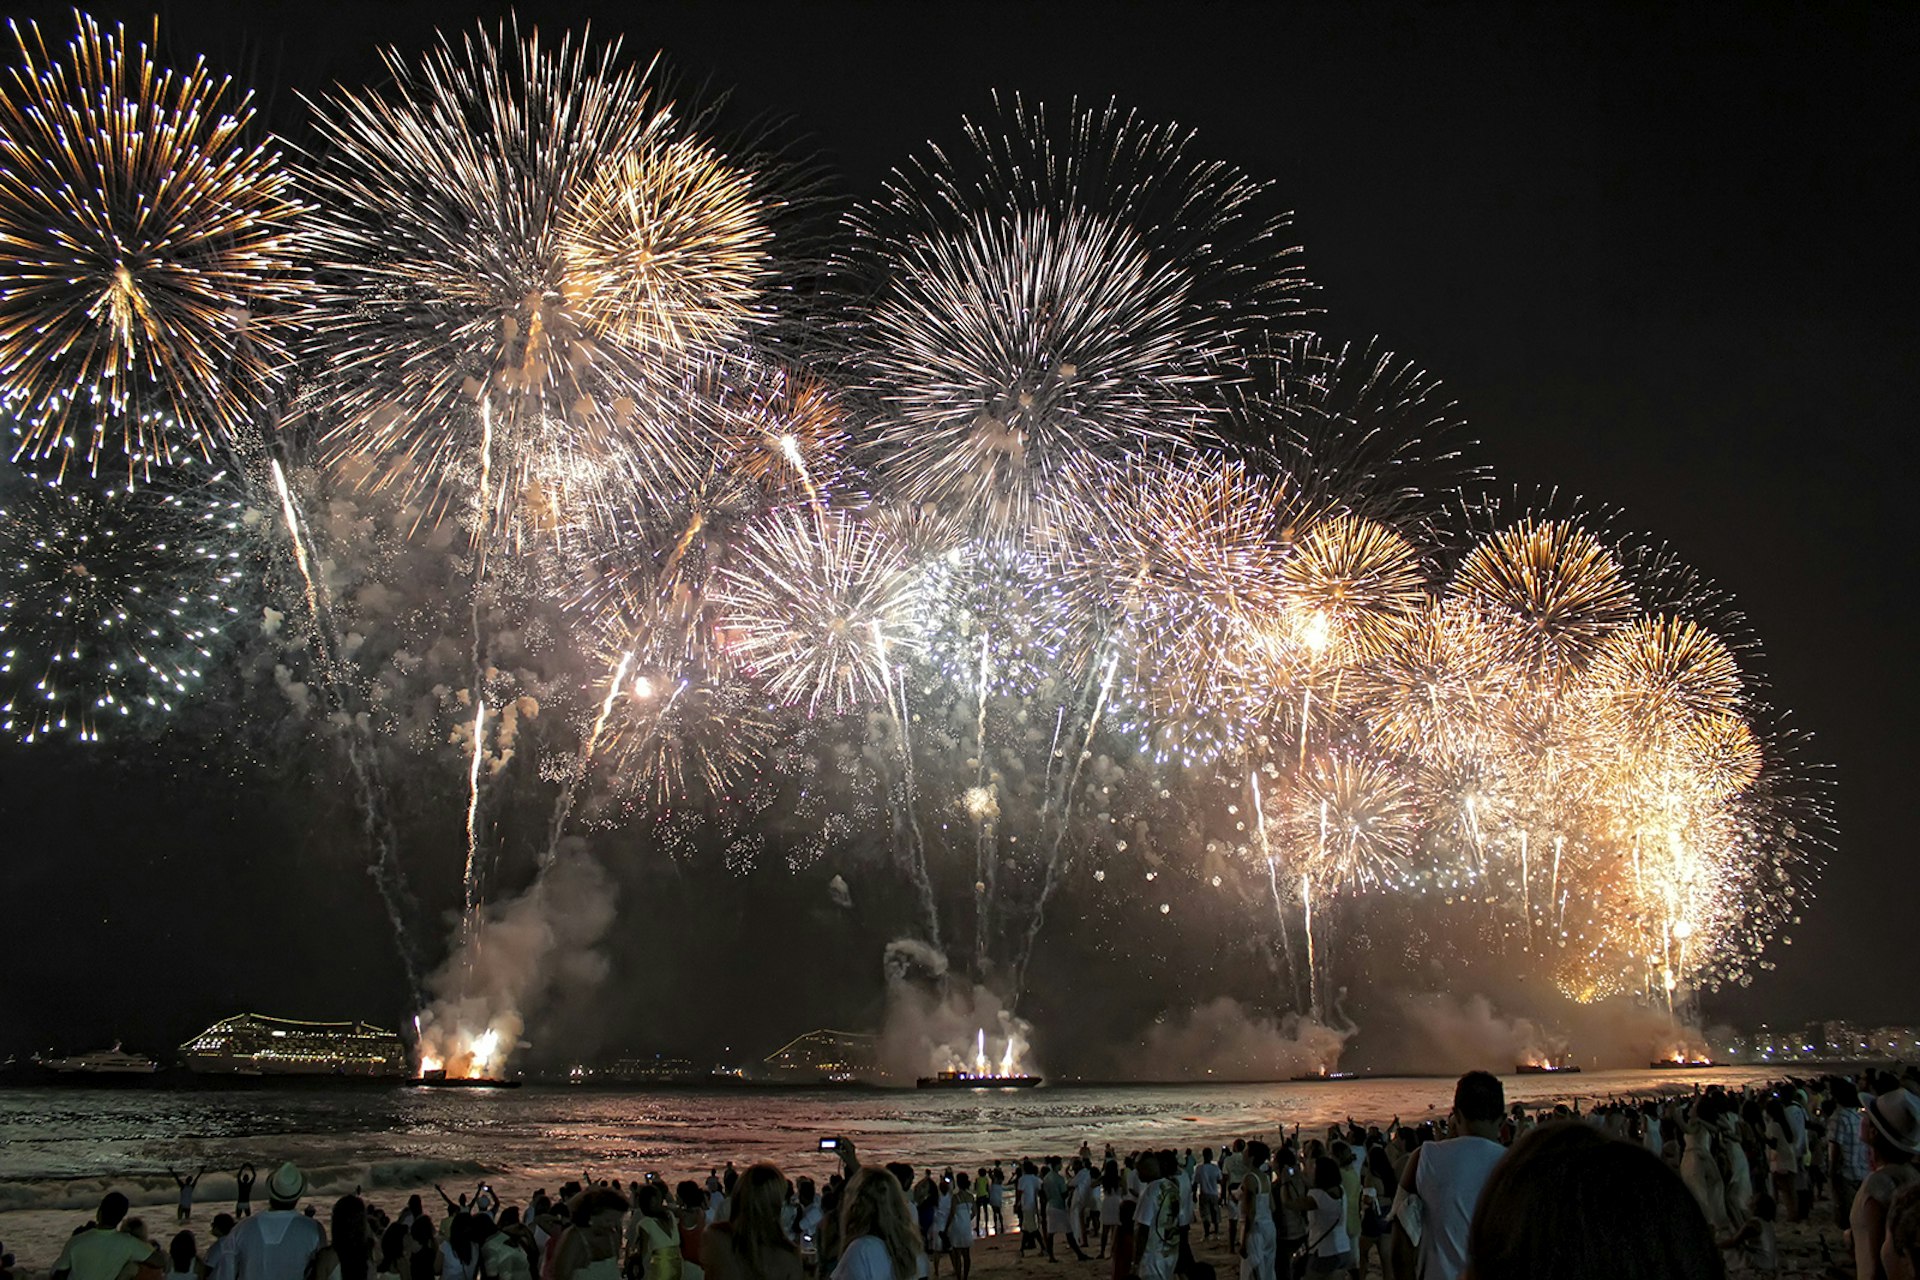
(34, 1236)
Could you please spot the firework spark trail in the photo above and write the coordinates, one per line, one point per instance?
(389, 877)
(983, 861)
(363, 759)
(471, 878)
(483, 511)
(1068, 795)
(916, 862)
(1313, 964)
(1273, 880)
(293, 534)
(563, 807)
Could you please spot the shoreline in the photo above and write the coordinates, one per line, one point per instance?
(170, 1080)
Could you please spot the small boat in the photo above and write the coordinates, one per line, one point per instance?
(1681, 1064)
(1546, 1069)
(974, 1080)
(1316, 1077)
(102, 1062)
(439, 1079)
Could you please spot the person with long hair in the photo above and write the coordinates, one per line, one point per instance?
(656, 1232)
(960, 1228)
(751, 1244)
(1111, 1187)
(459, 1256)
(423, 1249)
(1329, 1247)
(183, 1258)
(690, 1208)
(877, 1230)
(589, 1248)
(1378, 1184)
(348, 1252)
(393, 1253)
(1257, 1242)
(1568, 1201)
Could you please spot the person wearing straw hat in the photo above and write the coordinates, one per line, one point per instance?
(1891, 1130)
(277, 1244)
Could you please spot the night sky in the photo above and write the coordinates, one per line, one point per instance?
(1663, 260)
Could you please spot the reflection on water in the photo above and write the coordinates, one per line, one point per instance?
(398, 1137)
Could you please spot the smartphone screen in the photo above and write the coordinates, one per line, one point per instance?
(829, 1144)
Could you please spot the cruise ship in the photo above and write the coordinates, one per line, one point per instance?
(251, 1044)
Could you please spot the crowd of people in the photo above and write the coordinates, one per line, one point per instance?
(1685, 1186)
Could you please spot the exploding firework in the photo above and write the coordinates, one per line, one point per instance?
(679, 721)
(784, 431)
(1079, 526)
(1053, 298)
(113, 596)
(998, 622)
(1437, 685)
(1355, 580)
(667, 248)
(495, 228)
(147, 248)
(818, 606)
(1554, 590)
(1657, 679)
(1350, 823)
(1184, 561)
(1357, 429)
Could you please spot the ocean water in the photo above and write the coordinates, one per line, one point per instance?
(61, 1147)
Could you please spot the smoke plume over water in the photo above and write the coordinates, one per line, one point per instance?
(525, 952)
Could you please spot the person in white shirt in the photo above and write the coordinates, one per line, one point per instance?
(1329, 1245)
(1028, 1188)
(277, 1244)
(1082, 1203)
(1449, 1175)
(1233, 1168)
(1208, 1177)
(1156, 1223)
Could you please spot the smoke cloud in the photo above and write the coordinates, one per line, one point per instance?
(1441, 1032)
(1223, 1040)
(932, 1025)
(526, 952)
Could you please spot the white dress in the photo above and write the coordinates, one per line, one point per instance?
(960, 1224)
(1739, 1174)
(1261, 1236)
(1701, 1173)
(942, 1221)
